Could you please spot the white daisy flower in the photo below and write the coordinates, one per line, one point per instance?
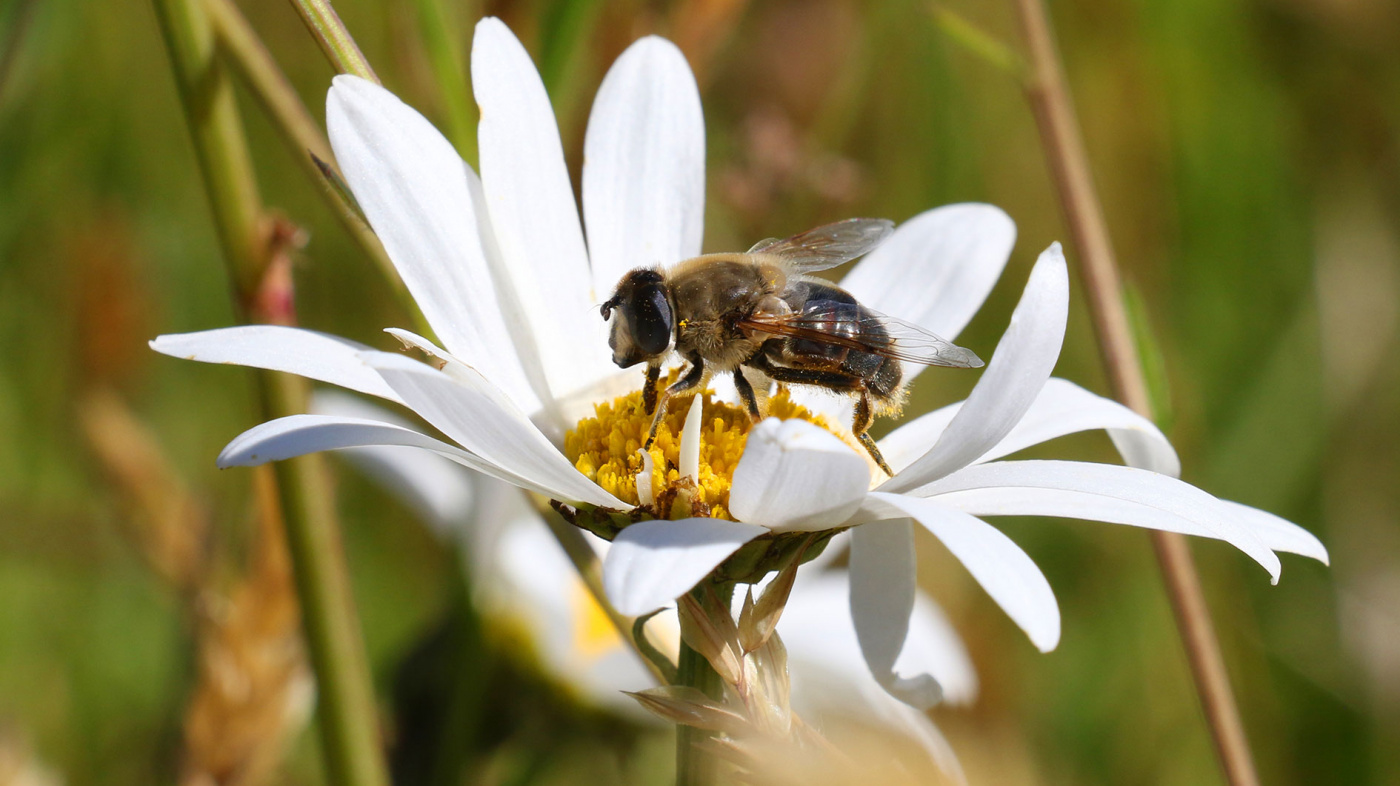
(499, 268)
(522, 579)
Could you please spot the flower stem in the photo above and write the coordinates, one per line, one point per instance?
(441, 34)
(246, 53)
(325, 26)
(694, 767)
(1064, 148)
(347, 709)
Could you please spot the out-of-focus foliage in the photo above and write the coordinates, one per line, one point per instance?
(1248, 156)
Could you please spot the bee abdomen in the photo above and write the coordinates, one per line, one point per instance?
(842, 315)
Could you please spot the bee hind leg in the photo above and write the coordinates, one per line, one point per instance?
(833, 380)
(864, 416)
(691, 380)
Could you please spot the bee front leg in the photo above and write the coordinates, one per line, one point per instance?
(649, 390)
(692, 379)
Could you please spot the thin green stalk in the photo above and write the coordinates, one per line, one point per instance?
(694, 767)
(1069, 165)
(349, 731)
(438, 25)
(267, 83)
(325, 26)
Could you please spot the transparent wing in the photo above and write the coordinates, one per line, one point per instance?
(828, 245)
(871, 331)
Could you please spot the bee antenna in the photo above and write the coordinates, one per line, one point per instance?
(605, 308)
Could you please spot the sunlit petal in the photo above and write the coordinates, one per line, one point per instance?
(652, 563)
(307, 353)
(533, 215)
(1061, 408)
(433, 485)
(644, 164)
(937, 267)
(998, 564)
(882, 600)
(998, 483)
(795, 475)
(468, 409)
(415, 191)
(1011, 382)
(298, 435)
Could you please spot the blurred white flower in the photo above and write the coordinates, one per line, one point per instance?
(499, 268)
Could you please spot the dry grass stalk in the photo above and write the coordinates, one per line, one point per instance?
(166, 522)
(253, 689)
(18, 764)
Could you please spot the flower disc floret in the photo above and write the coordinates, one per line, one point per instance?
(607, 447)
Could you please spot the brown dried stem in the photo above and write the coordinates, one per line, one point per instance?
(1064, 149)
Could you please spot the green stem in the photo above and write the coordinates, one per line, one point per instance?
(439, 28)
(267, 83)
(347, 708)
(325, 26)
(694, 767)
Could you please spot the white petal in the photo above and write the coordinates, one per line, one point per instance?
(829, 674)
(1023, 361)
(817, 625)
(533, 215)
(794, 475)
(1277, 533)
(318, 356)
(937, 267)
(467, 408)
(1061, 408)
(652, 563)
(689, 458)
(453, 367)
(415, 191)
(644, 165)
(935, 648)
(644, 492)
(998, 564)
(883, 585)
(997, 484)
(437, 488)
(298, 435)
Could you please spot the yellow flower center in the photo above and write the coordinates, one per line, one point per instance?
(607, 447)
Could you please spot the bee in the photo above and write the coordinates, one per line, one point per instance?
(761, 314)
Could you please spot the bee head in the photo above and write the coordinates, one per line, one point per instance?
(643, 326)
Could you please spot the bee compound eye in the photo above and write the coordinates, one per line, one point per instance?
(651, 320)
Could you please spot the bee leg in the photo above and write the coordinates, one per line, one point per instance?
(863, 418)
(649, 390)
(692, 379)
(745, 388)
(833, 380)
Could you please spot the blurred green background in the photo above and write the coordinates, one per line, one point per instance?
(1248, 156)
